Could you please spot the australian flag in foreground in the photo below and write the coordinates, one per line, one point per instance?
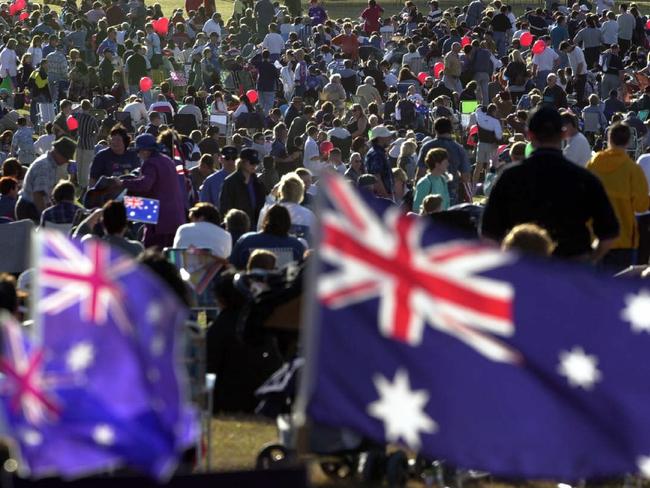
(98, 386)
(488, 360)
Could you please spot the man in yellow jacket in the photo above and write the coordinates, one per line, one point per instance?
(627, 189)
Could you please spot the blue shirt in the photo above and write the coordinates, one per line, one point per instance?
(211, 189)
(558, 34)
(281, 246)
(61, 213)
(377, 164)
(7, 207)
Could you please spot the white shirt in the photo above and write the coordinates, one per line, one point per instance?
(37, 55)
(390, 79)
(44, 143)
(299, 215)
(644, 162)
(339, 132)
(545, 61)
(204, 235)
(138, 112)
(577, 57)
(488, 122)
(211, 26)
(609, 30)
(273, 42)
(310, 151)
(578, 150)
(8, 63)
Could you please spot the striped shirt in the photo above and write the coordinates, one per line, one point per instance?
(87, 131)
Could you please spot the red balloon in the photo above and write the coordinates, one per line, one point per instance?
(23, 16)
(13, 9)
(422, 76)
(465, 41)
(526, 39)
(538, 47)
(326, 147)
(20, 4)
(647, 24)
(252, 96)
(72, 123)
(146, 83)
(438, 68)
(472, 132)
(161, 26)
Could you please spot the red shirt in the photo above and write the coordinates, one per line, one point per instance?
(349, 44)
(371, 15)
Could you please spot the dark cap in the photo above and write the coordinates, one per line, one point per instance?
(229, 152)
(545, 122)
(250, 155)
(65, 147)
(366, 181)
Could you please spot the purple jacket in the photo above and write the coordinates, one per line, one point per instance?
(158, 179)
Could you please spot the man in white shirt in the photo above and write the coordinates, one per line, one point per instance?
(137, 110)
(274, 43)
(578, 67)
(204, 231)
(543, 64)
(311, 154)
(212, 25)
(577, 148)
(609, 30)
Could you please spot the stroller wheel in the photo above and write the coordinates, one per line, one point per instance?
(397, 469)
(338, 469)
(271, 456)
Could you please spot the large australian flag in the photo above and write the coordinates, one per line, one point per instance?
(99, 384)
(489, 360)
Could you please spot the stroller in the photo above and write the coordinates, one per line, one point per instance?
(275, 305)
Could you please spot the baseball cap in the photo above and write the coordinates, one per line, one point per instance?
(380, 131)
(250, 155)
(229, 152)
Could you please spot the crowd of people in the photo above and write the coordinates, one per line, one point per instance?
(536, 116)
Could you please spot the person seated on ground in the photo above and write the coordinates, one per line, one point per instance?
(431, 204)
(261, 259)
(291, 194)
(274, 236)
(8, 197)
(204, 231)
(529, 239)
(237, 223)
(64, 208)
(113, 229)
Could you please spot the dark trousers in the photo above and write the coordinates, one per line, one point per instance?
(580, 82)
(624, 44)
(27, 210)
(591, 56)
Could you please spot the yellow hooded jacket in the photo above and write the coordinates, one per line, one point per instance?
(627, 189)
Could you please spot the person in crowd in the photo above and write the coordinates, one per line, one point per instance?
(204, 231)
(577, 148)
(8, 197)
(530, 239)
(211, 189)
(242, 189)
(115, 160)
(435, 181)
(158, 180)
(64, 209)
(627, 188)
(274, 236)
(40, 179)
(521, 195)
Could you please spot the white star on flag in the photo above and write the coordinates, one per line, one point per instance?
(580, 369)
(401, 409)
(80, 357)
(643, 463)
(104, 435)
(637, 311)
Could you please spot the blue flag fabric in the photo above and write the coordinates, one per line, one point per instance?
(140, 209)
(100, 385)
(491, 361)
